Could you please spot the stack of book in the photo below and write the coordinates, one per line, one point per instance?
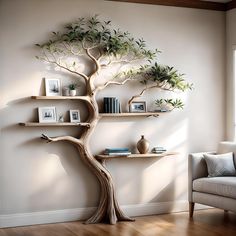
(117, 152)
(158, 150)
(111, 105)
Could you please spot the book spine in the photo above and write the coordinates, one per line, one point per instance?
(118, 154)
(110, 105)
(116, 150)
(105, 105)
(117, 105)
(113, 110)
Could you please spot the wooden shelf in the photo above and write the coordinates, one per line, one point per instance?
(133, 156)
(56, 124)
(57, 97)
(133, 114)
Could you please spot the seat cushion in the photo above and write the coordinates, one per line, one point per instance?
(222, 186)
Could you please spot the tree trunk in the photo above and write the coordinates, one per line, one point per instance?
(108, 209)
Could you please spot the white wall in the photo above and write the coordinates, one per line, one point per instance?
(231, 43)
(38, 177)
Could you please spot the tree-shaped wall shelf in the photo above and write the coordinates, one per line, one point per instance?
(93, 43)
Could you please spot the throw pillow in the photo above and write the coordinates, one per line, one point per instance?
(220, 165)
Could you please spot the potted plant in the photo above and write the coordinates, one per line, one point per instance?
(72, 89)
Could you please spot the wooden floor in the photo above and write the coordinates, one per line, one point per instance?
(205, 222)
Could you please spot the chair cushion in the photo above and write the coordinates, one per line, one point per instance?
(222, 186)
(220, 165)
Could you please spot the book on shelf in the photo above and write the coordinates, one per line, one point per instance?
(158, 150)
(111, 105)
(117, 151)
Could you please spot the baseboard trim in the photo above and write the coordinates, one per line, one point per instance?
(46, 217)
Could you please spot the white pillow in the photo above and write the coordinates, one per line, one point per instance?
(220, 165)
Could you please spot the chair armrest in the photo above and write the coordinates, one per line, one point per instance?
(197, 168)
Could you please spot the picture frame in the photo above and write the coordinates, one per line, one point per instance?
(136, 107)
(53, 87)
(47, 114)
(74, 116)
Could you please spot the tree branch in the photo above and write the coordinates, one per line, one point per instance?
(94, 60)
(85, 77)
(112, 82)
(119, 61)
(62, 138)
(148, 88)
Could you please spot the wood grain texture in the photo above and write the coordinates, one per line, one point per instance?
(55, 124)
(58, 97)
(133, 156)
(182, 3)
(131, 114)
(204, 223)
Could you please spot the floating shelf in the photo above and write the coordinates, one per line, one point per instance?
(56, 124)
(133, 156)
(57, 97)
(129, 114)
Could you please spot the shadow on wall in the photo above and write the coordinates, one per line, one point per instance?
(155, 180)
(49, 173)
(58, 170)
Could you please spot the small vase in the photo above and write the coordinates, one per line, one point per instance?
(143, 145)
(72, 92)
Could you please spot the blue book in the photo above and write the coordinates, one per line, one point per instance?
(117, 150)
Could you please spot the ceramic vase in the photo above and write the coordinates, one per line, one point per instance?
(143, 145)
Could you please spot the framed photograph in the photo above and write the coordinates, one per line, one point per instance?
(74, 116)
(53, 87)
(138, 107)
(47, 114)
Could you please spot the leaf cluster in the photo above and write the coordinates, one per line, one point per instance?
(94, 33)
(164, 77)
(175, 104)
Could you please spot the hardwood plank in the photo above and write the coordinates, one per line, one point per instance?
(210, 222)
(182, 3)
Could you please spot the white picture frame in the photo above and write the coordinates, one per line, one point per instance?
(138, 107)
(74, 116)
(53, 87)
(47, 114)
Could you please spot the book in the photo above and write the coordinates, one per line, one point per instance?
(111, 105)
(117, 150)
(105, 104)
(158, 150)
(118, 153)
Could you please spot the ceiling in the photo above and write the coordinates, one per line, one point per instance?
(217, 5)
(223, 1)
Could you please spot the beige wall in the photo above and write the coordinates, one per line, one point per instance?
(231, 43)
(35, 176)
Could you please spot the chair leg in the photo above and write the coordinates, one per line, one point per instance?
(191, 209)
